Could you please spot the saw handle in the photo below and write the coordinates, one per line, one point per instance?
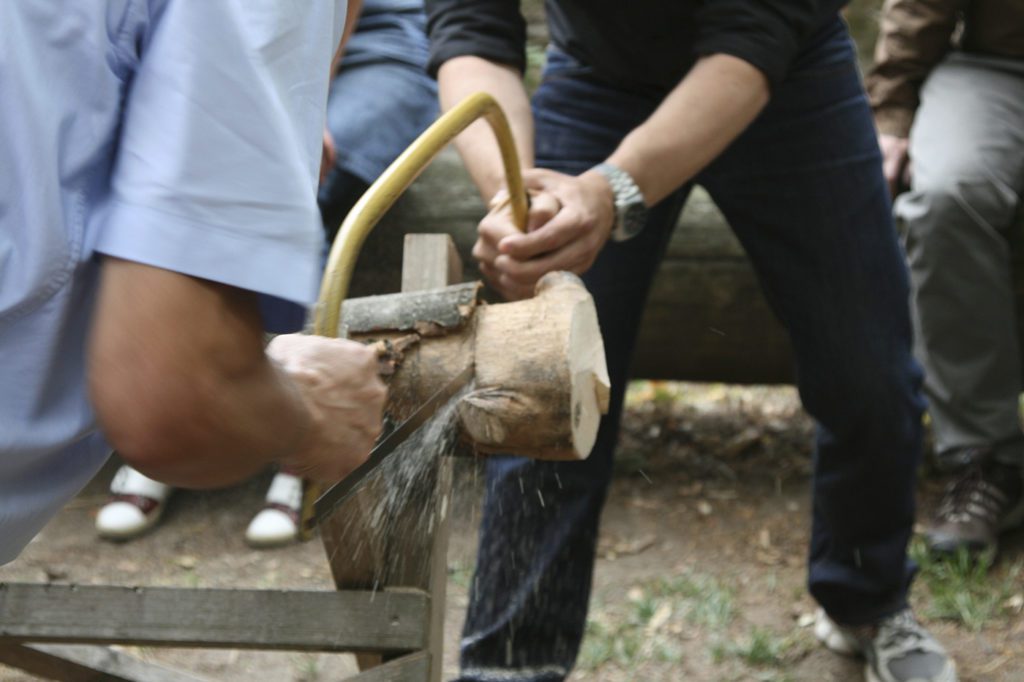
(372, 206)
(394, 181)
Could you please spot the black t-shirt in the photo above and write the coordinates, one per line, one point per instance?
(638, 45)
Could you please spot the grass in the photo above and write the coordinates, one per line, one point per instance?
(307, 668)
(707, 602)
(963, 588)
(461, 574)
(760, 649)
(659, 612)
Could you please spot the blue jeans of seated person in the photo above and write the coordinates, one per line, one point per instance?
(380, 100)
(803, 190)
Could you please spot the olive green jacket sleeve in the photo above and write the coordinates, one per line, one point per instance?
(914, 36)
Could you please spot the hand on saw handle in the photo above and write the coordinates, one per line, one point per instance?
(339, 383)
(569, 222)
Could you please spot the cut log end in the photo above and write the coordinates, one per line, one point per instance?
(591, 387)
(542, 383)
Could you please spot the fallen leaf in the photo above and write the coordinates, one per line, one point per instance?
(636, 546)
(55, 573)
(645, 503)
(660, 617)
(186, 561)
(704, 509)
(691, 490)
(741, 442)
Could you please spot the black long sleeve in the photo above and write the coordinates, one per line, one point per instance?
(492, 29)
(765, 33)
(640, 45)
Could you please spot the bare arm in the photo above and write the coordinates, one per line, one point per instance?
(463, 76)
(716, 101)
(184, 390)
(352, 11)
(710, 107)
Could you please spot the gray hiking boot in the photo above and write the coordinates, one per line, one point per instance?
(985, 499)
(897, 649)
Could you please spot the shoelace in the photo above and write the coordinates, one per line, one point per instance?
(972, 496)
(902, 632)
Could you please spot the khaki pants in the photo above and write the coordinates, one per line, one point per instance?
(967, 151)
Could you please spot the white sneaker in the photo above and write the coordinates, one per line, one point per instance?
(136, 504)
(896, 649)
(278, 522)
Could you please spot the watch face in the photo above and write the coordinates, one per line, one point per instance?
(633, 219)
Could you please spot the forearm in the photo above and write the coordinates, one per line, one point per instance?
(180, 381)
(352, 11)
(463, 76)
(716, 101)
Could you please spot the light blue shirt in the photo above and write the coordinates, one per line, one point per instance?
(184, 134)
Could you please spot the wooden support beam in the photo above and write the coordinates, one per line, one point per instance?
(429, 259)
(411, 668)
(84, 663)
(305, 620)
(414, 552)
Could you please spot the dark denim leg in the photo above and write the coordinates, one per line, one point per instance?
(529, 597)
(804, 192)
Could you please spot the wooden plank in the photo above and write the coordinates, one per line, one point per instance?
(411, 668)
(428, 259)
(82, 663)
(430, 262)
(213, 618)
(412, 554)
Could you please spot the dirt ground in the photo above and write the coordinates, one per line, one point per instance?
(700, 574)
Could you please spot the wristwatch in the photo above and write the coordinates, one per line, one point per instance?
(630, 210)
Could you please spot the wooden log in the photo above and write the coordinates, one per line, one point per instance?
(434, 312)
(299, 620)
(705, 319)
(541, 383)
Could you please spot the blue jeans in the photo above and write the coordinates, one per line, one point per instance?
(380, 101)
(802, 188)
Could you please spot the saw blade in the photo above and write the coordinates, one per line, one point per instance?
(327, 503)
